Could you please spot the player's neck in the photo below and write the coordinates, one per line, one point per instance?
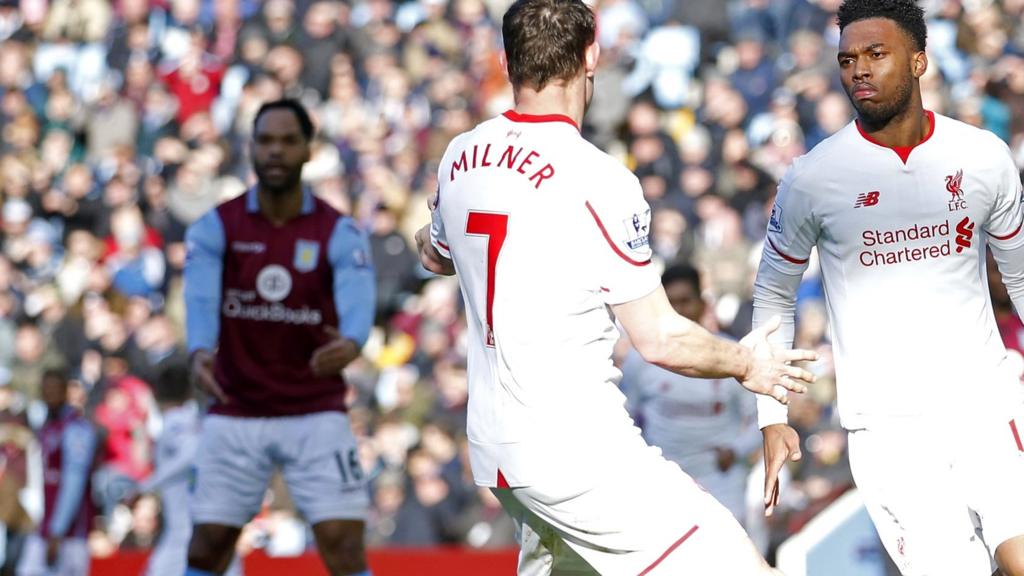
(279, 208)
(905, 130)
(567, 99)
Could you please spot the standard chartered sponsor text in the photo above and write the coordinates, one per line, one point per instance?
(234, 308)
(882, 255)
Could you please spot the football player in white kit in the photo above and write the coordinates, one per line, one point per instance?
(901, 204)
(549, 239)
(706, 425)
(175, 457)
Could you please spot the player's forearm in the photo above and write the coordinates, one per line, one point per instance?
(687, 348)
(355, 296)
(774, 295)
(202, 323)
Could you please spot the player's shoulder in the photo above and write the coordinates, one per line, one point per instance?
(233, 205)
(605, 176)
(821, 160)
(967, 137)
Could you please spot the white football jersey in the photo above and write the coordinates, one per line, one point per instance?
(174, 456)
(901, 243)
(546, 231)
(689, 417)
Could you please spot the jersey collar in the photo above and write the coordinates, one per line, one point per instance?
(538, 118)
(252, 201)
(902, 151)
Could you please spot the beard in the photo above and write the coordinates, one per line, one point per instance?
(879, 115)
(278, 184)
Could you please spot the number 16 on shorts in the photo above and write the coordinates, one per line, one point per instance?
(349, 469)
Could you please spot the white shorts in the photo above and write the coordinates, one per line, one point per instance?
(316, 453)
(644, 517)
(72, 560)
(942, 497)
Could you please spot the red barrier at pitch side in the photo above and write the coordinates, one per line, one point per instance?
(383, 562)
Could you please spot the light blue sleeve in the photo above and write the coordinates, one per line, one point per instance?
(204, 265)
(178, 465)
(78, 446)
(355, 291)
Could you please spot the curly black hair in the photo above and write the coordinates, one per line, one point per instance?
(905, 13)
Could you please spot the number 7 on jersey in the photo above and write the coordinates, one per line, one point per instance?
(494, 226)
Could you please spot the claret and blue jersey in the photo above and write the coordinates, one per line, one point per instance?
(262, 296)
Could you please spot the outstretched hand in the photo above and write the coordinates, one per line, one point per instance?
(771, 373)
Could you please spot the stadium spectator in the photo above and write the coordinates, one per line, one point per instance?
(15, 439)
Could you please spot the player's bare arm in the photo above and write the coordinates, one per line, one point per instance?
(202, 374)
(665, 338)
(332, 357)
(429, 256)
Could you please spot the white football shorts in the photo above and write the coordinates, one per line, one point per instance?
(641, 516)
(316, 453)
(72, 559)
(942, 497)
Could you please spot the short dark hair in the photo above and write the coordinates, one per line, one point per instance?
(681, 272)
(172, 384)
(905, 13)
(546, 40)
(58, 374)
(296, 107)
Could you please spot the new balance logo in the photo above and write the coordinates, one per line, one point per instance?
(866, 199)
(964, 234)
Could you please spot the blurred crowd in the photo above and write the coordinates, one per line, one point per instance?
(121, 121)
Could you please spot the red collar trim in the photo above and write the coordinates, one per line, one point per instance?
(535, 118)
(902, 151)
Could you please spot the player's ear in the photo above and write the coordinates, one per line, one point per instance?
(592, 55)
(920, 63)
(503, 62)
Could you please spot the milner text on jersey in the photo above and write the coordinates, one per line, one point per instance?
(884, 253)
(511, 158)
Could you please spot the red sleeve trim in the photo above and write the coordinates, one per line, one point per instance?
(670, 549)
(611, 243)
(1010, 235)
(784, 255)
(442, 245)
